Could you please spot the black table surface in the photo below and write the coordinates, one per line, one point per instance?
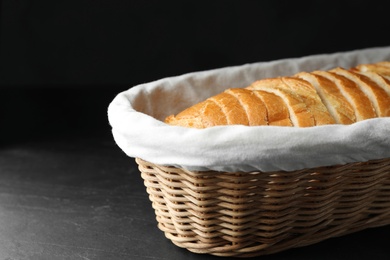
(83, 198)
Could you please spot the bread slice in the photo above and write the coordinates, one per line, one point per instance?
(376, 94)
(231, 107)
(381, 81)
(382, 68)
(306, 93)
(277, 111)
(384, 63)
(202, 115)
(358, 100)
(335, 102)
(311, 98)
(300, 115)
(194, 116)
(253, 106)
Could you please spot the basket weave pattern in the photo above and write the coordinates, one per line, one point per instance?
(258, 213)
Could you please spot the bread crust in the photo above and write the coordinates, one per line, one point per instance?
(277, 111)
(382, 68)
(379, 98)
(300, 115)
(311, 98)
(336, 104)
(356, 98)
(254, 107)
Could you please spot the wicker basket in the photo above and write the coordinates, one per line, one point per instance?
(258, 213)
(259, 209)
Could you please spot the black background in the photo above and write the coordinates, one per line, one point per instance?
(66, 189)
(62, 62)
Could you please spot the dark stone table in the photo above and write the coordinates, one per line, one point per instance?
(82, 198)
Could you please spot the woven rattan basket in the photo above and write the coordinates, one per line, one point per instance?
(247, 191)
(247, 214)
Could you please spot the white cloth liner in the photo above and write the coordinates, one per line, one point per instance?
(136, 117)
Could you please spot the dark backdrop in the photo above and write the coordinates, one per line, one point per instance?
(62, 62)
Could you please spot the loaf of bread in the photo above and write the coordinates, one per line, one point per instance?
(336, 96)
